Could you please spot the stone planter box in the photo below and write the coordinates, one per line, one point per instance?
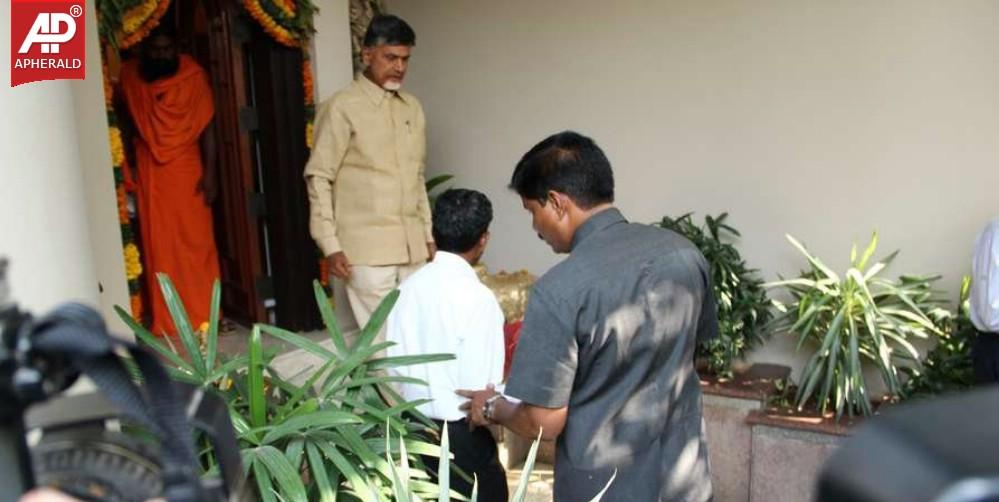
(788, 452)
(727, 405)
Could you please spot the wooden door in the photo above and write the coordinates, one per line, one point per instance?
(279, 103)
(218, 43)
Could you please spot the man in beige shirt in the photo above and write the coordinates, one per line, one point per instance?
(369, 211)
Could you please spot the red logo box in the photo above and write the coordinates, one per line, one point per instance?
(47, 40)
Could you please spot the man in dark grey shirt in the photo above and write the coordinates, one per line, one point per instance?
(605, 361)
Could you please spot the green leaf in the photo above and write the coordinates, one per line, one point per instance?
(212, 341)
(437, 180)
(293, 452)
(396, 361)
(318, 472)
(813, 260)
(256, 397)
(282, 471)
(375, 380)
(525, 474)
(349, 364)
(183, 325)
(606, 487)
(444, 467)
(374, 325)
(356, 481)
(263, 479)
(299, 341)
(329, 317)
(150, 341)
(316, 420)
(868, 252)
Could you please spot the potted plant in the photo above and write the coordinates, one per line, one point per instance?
(743, 306)
(856, 318)
(848, 321)
(316, 440)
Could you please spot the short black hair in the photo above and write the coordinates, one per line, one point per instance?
(460, 218)
(389, 30)
(567, 162)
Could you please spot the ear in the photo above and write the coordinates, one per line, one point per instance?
(366, 55)
(561, 203)
(484, 240)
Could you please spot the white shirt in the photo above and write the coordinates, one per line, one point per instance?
(984, 296)
(444, 308)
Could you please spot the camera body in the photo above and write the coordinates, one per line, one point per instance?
(123, 442)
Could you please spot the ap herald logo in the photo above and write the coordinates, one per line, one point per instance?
(48, 41)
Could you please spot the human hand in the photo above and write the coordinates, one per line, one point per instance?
(339, 265)
(47, 495)
(208, 187)
(476, 403)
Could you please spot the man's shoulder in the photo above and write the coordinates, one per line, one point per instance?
(348, 94)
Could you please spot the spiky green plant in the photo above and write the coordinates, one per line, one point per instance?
(318, 440)
(855, 318)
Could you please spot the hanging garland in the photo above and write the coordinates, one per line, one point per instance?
(289, 22)
(122, 24)
(123, 185)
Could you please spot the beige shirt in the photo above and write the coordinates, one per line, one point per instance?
(365, 177)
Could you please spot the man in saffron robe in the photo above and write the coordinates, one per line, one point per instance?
(170, 102)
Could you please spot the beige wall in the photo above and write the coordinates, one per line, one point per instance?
(826, 120)
(334, 70)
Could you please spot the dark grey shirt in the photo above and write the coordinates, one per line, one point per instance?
(610, 332)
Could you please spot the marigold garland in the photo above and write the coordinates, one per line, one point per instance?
(135, 17)
(117, 147)
(269, 24)
(147, 25)
(133, 265)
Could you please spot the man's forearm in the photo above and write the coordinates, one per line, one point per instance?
(526, 420)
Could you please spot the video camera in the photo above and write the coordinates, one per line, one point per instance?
(129, 441)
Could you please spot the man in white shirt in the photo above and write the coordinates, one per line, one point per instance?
(444, 308)
(984, 300)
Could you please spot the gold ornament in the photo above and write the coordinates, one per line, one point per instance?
(511, 290)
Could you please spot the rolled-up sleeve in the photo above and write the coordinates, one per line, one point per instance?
(544, 364)
(332, 137)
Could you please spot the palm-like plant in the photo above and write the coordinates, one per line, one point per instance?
(318, 440)
(859, 317)
(743, 306)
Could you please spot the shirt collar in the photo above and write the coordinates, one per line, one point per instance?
(373, 91)
(596, 223)
(453, 261)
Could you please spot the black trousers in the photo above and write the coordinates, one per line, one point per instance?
(985, 358)
(475, 453)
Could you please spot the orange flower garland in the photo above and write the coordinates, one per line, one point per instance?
(275, 30)
(147, 25)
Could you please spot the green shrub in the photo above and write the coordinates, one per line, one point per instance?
(743, 306)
